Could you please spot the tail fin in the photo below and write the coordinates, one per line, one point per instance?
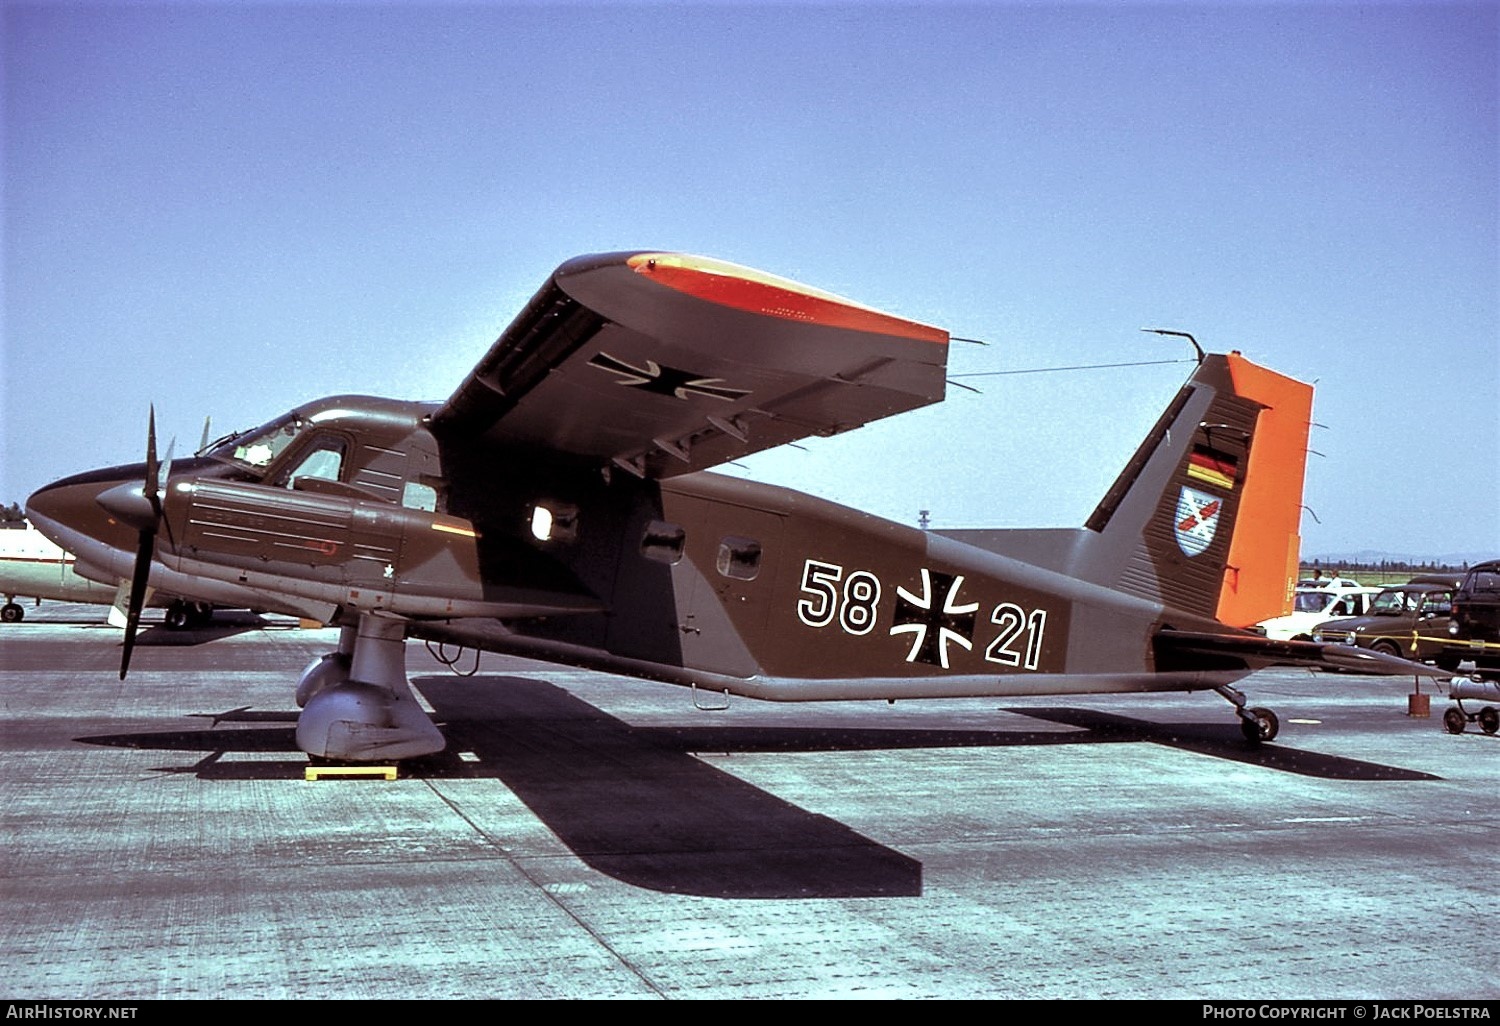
(1204, 518)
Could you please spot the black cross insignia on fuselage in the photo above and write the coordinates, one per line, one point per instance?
(935, 617)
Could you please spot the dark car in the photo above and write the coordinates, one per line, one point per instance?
(1475, 627)
(1407, 620)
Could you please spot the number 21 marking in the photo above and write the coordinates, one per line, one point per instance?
(1012, 621)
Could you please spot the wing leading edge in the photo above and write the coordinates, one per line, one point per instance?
(664, 364)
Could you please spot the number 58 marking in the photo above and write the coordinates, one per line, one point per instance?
(855, 605)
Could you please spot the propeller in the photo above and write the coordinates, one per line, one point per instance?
(139, 506)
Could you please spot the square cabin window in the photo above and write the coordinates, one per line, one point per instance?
(739, 558)
(416, 495)
(663, 542)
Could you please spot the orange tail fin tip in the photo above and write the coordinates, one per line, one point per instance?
(1264, 553)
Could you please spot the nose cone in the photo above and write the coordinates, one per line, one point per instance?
(70, 513)
(128, 504)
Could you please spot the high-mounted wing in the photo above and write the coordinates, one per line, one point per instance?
(663, 364)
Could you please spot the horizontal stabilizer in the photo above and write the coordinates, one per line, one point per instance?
(1176, 650)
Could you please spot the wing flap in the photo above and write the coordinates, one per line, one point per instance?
(666, 364)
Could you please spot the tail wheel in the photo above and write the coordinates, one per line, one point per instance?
(1454, 720)
(12, 612)
(1259, 725)
(1489, 719)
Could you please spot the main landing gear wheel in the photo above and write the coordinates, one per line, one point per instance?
(177, 616)
(1454, 720)
(11, 612)
(1259, 725)
(1489, 719)
(182, 615)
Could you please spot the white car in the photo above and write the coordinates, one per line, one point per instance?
(1339, 583)
(1312, 606)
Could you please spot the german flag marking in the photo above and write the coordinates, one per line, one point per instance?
(1213, 467)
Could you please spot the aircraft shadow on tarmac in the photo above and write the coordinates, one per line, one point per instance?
(223, 626)
(636, 804)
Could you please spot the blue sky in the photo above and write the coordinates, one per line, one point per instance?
(228, 209)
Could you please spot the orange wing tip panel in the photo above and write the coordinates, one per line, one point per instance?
(1264, 553)
(744, 288)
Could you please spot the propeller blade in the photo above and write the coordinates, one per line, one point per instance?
(203, 442)
(151, 466)
(166, 475)
(166, 466)
(147, 521)
(138, 581)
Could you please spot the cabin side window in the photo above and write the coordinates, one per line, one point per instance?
(663, 542)
(554, 521)
(739, 558)
(419, 495)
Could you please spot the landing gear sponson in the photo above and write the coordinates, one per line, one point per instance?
(356, 702)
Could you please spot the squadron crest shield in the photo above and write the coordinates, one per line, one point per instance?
(1197, 520)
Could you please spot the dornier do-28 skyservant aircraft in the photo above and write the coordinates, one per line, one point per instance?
(554, 507)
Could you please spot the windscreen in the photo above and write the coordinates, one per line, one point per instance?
(255, 449)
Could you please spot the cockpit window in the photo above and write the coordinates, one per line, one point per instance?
(257, 447)
(325, 462)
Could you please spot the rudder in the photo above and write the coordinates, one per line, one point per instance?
(1204, 518)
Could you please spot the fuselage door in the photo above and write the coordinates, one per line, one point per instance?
(733, 554)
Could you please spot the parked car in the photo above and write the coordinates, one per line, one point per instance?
(1407, 620)
(1327, 582)
(1475, 626)
(1312, 606)
(1450, 579)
